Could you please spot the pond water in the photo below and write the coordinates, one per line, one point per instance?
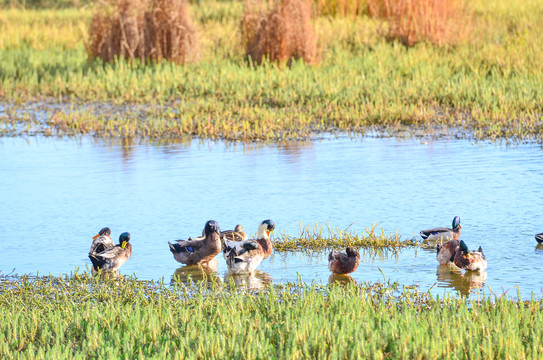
(57, 193)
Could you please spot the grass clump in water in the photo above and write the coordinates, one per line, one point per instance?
(315, 239)
(81, 316)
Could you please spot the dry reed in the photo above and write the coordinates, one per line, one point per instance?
(440, 22)
(282, 33)
(143, 29)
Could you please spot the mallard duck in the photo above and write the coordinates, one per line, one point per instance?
(113, 258)
(194, 252)
(102, 241)
(539, 238)
(443, 233)
(244, 256)
(473, 261)
(238, 234)
(446, 252)
(343, 263)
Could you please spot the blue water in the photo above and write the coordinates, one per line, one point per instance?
(56, 194)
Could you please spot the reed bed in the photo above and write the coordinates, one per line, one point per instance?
(441, 22)
(87, 317)
(142, 29)
(282, 34)
(487, 89)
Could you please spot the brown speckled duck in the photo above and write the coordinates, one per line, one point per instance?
(102, 241)
(238, 234)
(446, 252)
(199, 251)
(243, 257)
(472, 261)
(343, 263)
(113, 258)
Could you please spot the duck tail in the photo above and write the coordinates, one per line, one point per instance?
(423, 235)
(481, 251)
(96, 262)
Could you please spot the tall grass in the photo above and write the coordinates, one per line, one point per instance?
(283, 33)
(441, 22)
(83, 317)
(144, 30)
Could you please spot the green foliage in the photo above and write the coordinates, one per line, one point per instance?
(89, 317)
(487, 88)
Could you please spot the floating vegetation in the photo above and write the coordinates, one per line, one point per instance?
(317, 239)
(81, 316)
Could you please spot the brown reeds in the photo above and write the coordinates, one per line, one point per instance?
(142, 29)
(441, 22)
(281, 34)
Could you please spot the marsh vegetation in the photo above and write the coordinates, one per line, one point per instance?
(487, 85)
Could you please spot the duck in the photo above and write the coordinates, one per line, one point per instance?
(102, 241)
(443, 233)
(343, 263)
(539, 238)
(200, 250)
(238, 234)
(112, 259)
(472, 261)
(243, 257)
(446, 252)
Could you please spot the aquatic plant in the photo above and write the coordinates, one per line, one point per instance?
(319, 238)
(283, 34)
(142, 29)
(81, 317)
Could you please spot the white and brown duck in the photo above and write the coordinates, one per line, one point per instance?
(443, 234)
(112, 259)
(200, 250)
(446, 252)
(343, 263)
(470, 260)
(102, 241)
(243, 257)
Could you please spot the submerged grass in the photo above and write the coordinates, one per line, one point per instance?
(85, 317)
(488, 88)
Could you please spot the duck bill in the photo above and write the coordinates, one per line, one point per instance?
(95, 236)
(123, 244)
(268, 232)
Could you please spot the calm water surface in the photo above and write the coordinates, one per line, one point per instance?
(56, 194)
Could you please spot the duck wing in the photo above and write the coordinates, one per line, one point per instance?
(188, 246)
(100, 244)
(436, 233)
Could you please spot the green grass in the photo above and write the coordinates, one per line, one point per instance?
(83, 317)
(314, 239)
(489, 87)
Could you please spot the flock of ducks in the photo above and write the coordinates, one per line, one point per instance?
(244, 255)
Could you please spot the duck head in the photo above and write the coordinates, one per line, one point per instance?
(265, 228)
(351, 252)
(124, 239)
(212, 227)
(456, 223)
(105, 231)
(238, 228)
(464, 248)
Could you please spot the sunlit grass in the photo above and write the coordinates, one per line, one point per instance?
(84, 317)
(319, 238)
(490, 87)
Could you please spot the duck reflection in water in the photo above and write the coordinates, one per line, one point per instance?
(257, 281)
(342, 279)
(451, 276)
(195, 273)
